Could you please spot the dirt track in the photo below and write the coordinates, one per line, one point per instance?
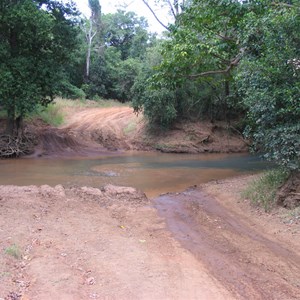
(248, 262)
(113, 127)
(85, 243)
(120, 128)
(91, 244)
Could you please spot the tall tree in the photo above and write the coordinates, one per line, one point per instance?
(201, 53)
(113, 70)
(36, 38)
(126, 32)
(92, 28)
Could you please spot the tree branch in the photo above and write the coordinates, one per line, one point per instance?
(155, 16)
(225, 38)
(283, 4)
(171, 8)
(234, 62)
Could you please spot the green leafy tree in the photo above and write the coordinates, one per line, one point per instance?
(232, 56)
(114, 70)
(126, 32)
(36, 38)
(269, 81)
(199, 58)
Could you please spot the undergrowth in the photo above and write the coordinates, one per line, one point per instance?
(262, 191)
(2, 114)
(51, 114)
(97, 102)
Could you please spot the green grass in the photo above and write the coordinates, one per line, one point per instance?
(262, 191)
(52, 114)
(14, 251)
(131, 126)
(67, 103)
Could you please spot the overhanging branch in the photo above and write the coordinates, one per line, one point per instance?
(155, 16)
(284, 4)
(234, 62)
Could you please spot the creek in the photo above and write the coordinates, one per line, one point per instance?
(153, 173)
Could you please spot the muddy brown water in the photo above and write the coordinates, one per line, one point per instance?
(154, 173)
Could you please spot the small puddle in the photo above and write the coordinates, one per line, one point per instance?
(153, 173)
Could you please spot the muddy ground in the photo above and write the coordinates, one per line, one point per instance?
(114, 243)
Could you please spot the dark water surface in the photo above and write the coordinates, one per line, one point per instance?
(154, 173)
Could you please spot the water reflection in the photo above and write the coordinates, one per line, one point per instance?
(154, 173)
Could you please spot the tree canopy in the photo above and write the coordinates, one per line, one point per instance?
(36, 38)
(230, 58)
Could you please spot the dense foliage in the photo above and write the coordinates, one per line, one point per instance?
(198, 58)
(229, 58)
(269, 82)
(36, 39)
(116, 55)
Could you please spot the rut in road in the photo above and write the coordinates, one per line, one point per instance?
(248, 264)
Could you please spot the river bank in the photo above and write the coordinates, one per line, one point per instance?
(90, 129)
(78, 243)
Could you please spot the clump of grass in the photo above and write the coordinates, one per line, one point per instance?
(262, 191)
(51, 115)
(14, 251)
(64, 103)
(80, 103)
(129, 128)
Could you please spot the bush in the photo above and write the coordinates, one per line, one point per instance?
(262, 191)
(51, 114)
(70, 91)
(158, 105)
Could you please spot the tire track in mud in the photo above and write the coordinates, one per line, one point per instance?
(107, 126)
(248, 264)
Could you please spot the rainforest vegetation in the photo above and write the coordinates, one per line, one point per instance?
(219, 60)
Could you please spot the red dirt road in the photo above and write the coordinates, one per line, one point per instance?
(113, 243)
(120, 128)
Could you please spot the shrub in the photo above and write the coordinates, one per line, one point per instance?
(262, 191)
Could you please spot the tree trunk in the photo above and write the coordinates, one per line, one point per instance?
(10, 124)
(19, 126)
(89, 38)
(88, 58)
(227, 93)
